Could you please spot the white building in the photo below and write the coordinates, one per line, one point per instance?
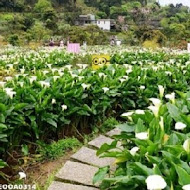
(104, 24)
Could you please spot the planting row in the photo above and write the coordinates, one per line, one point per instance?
(156, 147)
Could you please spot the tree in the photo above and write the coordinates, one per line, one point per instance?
(39, 32)
(42, 5)
(13, 39)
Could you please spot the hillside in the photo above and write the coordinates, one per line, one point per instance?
(23, 21)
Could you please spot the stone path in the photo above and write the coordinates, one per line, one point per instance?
(77, 173)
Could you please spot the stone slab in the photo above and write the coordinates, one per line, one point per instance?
(113, 132)
(88, 156)
(66, 186)
(100, 140)
(77, 172)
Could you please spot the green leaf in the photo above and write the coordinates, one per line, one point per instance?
(140, 126)
(2, 118)
(174, 112)
(3, 126)
(184, 177)
(100, 175)
(157, 170)
(2, 107)
(25, 149)
(2, 164)
(105, 147)
(125, 127)
(51, 122)
(141, 169)
(20, 106)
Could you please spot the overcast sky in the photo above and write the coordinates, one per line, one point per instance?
(184, 2)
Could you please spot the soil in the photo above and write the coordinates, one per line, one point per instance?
(39, 173)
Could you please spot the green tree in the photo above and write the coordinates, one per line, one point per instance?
(42, 5)
(13, 39)
(39, 32)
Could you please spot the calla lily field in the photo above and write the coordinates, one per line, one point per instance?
(49, 94)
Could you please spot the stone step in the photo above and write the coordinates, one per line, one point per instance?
(88, 156)
(77, 172)
(100, 140)
(66, 186)
(113, 132)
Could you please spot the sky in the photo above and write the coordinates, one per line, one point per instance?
(166, 2)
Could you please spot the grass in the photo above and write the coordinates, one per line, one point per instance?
(57, 149)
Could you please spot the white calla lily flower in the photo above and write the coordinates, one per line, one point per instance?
(154, 109)
(156, 102)
(186, 145)
(155, 182)
(53, 101)
(44, 84)
(22, 175)
(161, 123)
(80, 78)
(105, 89)
(142, 135)
(68, 67)
(54, 70)
(55, 78)
(186, 187)
(142, 87)
(64, 107)
(171, 97)
(32, 79)
(49, 66)
(21, 84)
(85, 86)
(8, 78)
(122, 80)
(134, 150)
(126, 77)
(45, 72)
(168, 73)
(22, 70)
(140, 112)
(127, 114)
(180, 126)
(11, 94)
(161, 90)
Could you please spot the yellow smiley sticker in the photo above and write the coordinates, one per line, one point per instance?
(99, 61)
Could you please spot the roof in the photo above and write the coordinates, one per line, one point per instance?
(103, 19)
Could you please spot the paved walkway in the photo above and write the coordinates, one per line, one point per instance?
(78, 172)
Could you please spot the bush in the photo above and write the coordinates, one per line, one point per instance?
(13, 39)
(154, 37)
(57, 149)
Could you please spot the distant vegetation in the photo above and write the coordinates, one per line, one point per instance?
(145, 21)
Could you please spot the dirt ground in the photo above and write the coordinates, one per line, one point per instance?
(39, 173)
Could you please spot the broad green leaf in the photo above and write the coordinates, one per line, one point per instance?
(105, 147)
(51, 122)
(125, 127)
(2, 107)
(2, 164)
(3, 126)
(100, 175)
(174, 112)
(140, 127)
(20, 106)
(2, 118)
(141, 169)
(25, 150)
(184, 177)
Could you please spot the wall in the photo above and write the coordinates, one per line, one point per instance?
(104, 24)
